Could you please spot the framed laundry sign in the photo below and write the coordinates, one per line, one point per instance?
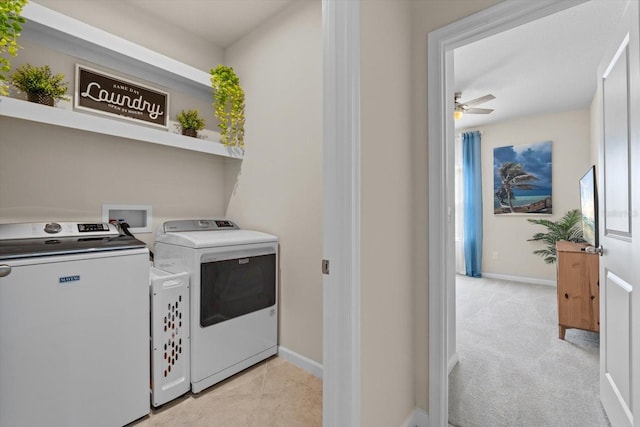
(103, 93)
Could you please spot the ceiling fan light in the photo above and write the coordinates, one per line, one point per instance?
(457, 114)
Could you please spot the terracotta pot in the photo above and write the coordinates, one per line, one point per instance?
(190, 132)
(40, 98)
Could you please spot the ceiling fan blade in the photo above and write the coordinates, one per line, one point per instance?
(478, 111)
(480, 100)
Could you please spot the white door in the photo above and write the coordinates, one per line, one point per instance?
(619, 182)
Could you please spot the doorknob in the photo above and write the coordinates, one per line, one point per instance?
(593, 250)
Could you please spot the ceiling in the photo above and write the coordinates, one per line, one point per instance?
(219, 21)
(546, 66)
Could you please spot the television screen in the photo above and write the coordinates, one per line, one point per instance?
(589, 207)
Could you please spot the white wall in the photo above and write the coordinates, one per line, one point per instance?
(279, 186)
(506, 250)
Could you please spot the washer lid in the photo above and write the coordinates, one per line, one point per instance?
(208, 239)
(28, 248)
(26, 240)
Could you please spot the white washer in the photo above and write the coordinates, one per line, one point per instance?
(74, 326)
(234, 277)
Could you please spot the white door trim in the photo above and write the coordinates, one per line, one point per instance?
(341, 213)
(441, 43)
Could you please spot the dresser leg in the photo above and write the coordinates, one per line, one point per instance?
(561, 331)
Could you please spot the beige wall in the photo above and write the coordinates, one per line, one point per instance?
(427, 15)
(54, 173)
(386, 259)
(127, 21)
(506, 250)
(279, 186)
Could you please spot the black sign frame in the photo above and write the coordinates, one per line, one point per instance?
(104, 93)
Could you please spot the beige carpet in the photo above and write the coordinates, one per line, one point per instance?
(274, 393)
(513, 369)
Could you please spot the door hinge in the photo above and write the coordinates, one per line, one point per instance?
(325, 266)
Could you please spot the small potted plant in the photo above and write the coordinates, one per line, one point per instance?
(40, 84)
(190, 122)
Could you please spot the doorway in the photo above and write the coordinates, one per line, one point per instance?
(501, 17)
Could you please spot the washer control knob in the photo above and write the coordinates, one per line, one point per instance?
(52, 228)
(5, 270)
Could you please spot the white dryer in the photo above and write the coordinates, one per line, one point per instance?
(234, 281)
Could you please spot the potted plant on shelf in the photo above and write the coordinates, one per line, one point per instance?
(10, 28)
(40, 84)
(228, 105)
(569, 228)
(190, 122)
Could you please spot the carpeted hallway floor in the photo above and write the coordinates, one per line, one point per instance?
(513, 369)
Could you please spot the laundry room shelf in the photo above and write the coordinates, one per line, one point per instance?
(62, 33)
(16, 108)
(65, 34)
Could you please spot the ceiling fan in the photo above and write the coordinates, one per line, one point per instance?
(462, 108)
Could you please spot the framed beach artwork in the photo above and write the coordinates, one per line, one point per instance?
(522, 179)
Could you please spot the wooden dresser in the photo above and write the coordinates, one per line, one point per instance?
(578, 288)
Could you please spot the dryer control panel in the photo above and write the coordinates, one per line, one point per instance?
(199, 225)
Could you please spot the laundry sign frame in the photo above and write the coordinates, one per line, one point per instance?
(104, 93)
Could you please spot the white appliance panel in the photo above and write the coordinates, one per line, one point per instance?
(218, 238)
(78, 330)
(170, 342)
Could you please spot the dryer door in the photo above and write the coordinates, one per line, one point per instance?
(234, 287)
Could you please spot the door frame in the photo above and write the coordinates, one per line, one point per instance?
(341, 213)
(441, 44)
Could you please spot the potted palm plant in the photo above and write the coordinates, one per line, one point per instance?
(190, 122)
(569, 228)
(40, 84)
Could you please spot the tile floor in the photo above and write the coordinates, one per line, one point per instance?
(274, 393)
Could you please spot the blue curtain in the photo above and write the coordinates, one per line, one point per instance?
(472, 203)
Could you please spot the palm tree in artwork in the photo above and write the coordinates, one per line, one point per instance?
(513, 177)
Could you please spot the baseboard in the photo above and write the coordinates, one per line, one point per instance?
(418, 418)
(520, 279)
(311, 366)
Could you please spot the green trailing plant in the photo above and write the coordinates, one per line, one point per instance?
(569, 228)
(228, 105)
(190, 120)
(10, 29)
(40, 81)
